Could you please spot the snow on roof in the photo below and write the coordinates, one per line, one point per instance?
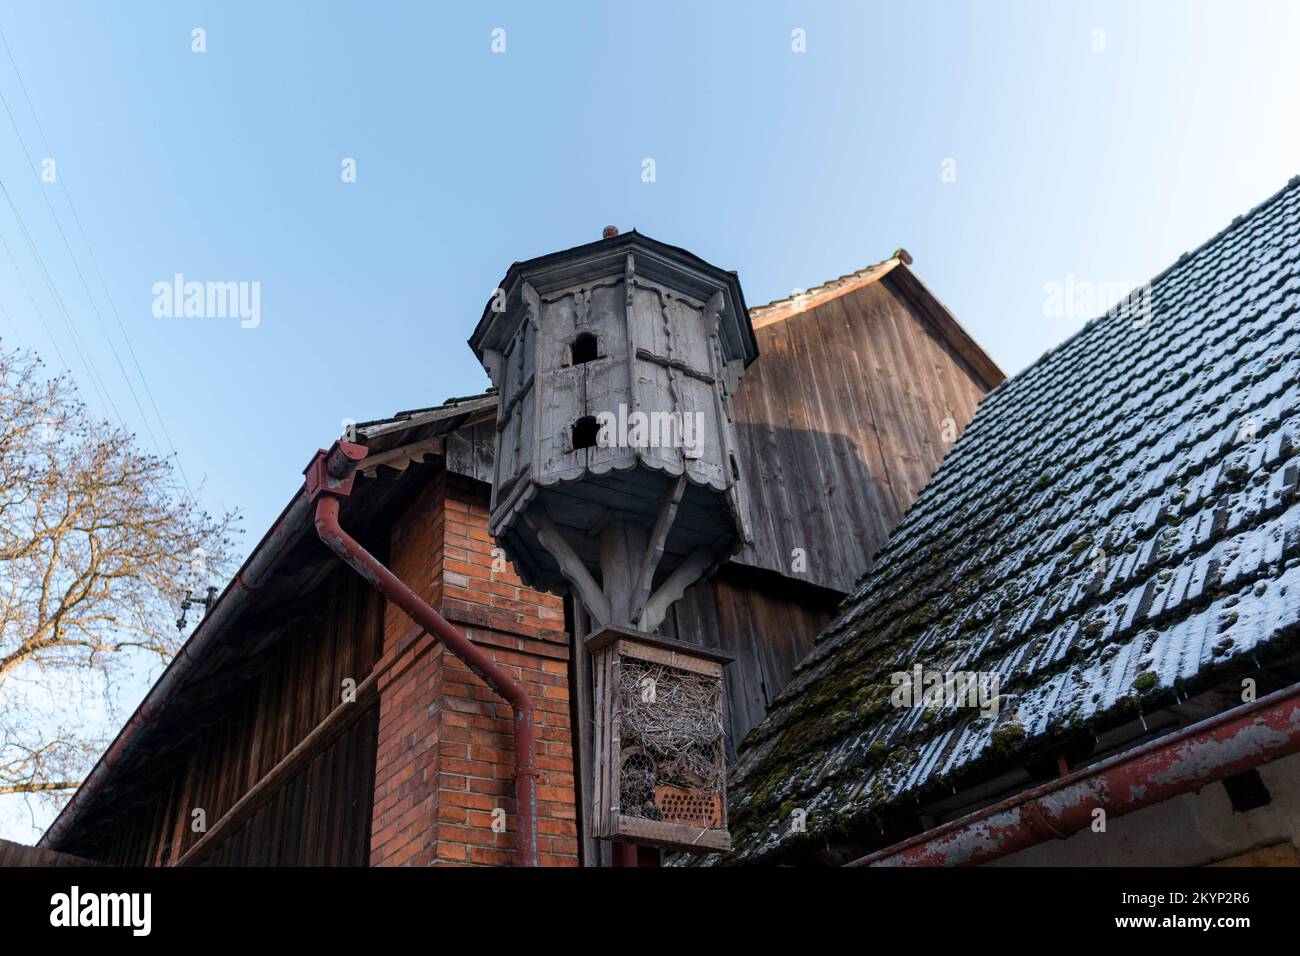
(1118, 527)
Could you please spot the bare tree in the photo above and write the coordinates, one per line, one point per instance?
(97, 548)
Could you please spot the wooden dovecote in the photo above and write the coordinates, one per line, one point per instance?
(616, 466)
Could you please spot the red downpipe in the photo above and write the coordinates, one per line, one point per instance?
(1222, 746)
(329, 478)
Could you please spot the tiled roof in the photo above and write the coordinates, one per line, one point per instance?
(412, 418)
(1117, 528)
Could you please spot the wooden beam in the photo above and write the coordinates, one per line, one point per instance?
(403, 455)
(595, 852)
(622, 546)
(654, 548)
(686, 574)
(571, 566)
(674, 836)
(320, 736)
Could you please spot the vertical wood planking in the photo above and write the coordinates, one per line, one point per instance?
(839, 425)
(322, 814)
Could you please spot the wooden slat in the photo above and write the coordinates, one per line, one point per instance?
(674, 835)
(838, 426)
(16, 854)
(294, 687)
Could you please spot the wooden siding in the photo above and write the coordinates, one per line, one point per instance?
(840, 424)
(17, 854)
(320, 814)
(769, 623)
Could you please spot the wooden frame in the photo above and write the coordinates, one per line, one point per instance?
(608, 647)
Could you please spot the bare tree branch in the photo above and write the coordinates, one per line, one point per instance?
(40, 787)
(98, 546)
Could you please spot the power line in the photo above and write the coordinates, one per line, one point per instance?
(12, 325)
(92, 372)
(76, 266)
(98, 271)
(144, 381)
(35, 308)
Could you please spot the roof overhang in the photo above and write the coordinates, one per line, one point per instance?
(896, 272)
(672, 266)
(284, 569)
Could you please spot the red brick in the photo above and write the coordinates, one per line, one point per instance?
(445, 758)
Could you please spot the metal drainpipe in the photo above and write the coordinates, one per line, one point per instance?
(1224, 745)
(329, 478)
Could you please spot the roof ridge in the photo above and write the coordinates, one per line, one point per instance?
(1237, 221)
(412, 412)
(1115, 310)
(1143, 467)
(803, 296)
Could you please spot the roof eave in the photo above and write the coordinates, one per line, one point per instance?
(954, 333)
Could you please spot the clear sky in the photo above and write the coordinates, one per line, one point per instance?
(1007, 146)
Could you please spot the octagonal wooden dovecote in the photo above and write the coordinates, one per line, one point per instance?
(616, 470)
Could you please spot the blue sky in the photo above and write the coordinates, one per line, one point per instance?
(1092, 141)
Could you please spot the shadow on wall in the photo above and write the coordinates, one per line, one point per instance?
(817, 514)
(818, 510)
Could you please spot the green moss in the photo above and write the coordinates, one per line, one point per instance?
(1145, 681)
(1080, 546)
(1235, 475)
(1008, 735)
(1093, 627)
(1227, 621)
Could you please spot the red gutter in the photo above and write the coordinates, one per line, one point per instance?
(329, 478)
(1222, 746)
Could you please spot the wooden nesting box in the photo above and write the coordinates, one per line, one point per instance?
(616, 472)
(660, 768)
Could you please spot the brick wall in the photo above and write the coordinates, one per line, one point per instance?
(445, 759)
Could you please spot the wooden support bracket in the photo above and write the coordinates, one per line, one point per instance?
(654, 549)
(575, 572)
(686, 574)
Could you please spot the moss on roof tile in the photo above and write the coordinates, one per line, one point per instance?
(1125, 439)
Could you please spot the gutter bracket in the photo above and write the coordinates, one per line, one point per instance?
(333, 472)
